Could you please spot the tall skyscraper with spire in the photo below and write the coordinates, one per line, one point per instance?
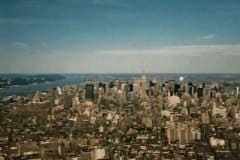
(144, 86)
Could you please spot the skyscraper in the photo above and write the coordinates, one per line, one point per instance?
(200, 92)
(89, 94)
(144, 86)
(171, 132)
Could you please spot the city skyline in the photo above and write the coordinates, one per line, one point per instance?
(119, 36)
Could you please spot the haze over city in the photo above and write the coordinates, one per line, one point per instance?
(116, 36)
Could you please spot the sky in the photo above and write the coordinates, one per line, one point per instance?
(119, 36)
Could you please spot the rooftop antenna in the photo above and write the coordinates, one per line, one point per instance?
(142, 64)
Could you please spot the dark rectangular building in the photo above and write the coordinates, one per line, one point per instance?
(89, 94)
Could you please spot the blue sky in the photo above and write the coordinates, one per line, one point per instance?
(81, 36)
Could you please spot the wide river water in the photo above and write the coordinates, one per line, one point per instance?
(31, 88)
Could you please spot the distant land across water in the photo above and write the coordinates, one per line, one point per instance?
(228, 79)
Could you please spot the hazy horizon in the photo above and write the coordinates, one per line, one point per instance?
(109, 73)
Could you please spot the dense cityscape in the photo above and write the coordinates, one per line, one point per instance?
(119, 80)
(128, 118)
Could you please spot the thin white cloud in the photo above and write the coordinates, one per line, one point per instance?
(26, 48)
(21, 45)
(207, 37)
(185, 50)
(194, 59)
(107, 2)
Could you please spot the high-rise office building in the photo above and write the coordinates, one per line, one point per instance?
(144, 86)
(102, 86)
(237, 91)
(144, 82)
(200, 92)
(170, 132)
(89, 94)
(176, 89)
(152, 84)
(130, 87)
(183, 133)
(111, 84)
